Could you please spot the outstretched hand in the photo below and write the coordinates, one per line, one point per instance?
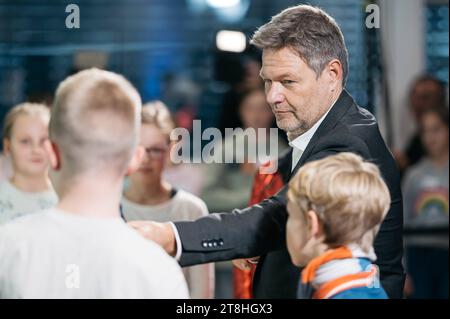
(160, 233)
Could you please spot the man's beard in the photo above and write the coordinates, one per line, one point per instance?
(293, 130)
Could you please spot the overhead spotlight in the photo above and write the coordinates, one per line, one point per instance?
(223, 3)
(232, 41)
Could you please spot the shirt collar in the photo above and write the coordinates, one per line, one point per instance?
(302, 141)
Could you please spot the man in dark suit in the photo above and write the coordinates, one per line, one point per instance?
(304, 70)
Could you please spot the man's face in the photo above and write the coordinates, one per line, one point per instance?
(297, 97)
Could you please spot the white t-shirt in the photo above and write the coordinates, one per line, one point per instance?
(15, 203)
(183, 206)
(54, 254)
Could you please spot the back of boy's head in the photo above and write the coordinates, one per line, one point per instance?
(95, 121)
(348, 195)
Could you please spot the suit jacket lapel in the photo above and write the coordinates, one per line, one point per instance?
(341, 107)
(285, 164)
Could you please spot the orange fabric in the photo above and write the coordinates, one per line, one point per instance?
(264, 186)
(326, 288)
(309, 273)
(242, 283)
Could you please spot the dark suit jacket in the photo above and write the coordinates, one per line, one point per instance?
(259, 230)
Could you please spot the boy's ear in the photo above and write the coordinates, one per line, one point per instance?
(314, 224)
(54, 155)
(6, 146)
(135, 160)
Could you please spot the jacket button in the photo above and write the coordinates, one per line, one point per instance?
(205, 244)
(220, 242)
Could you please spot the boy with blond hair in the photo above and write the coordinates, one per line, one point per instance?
(82, 248)
(335, 207)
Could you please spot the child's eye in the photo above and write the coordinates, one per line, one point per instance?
(25, 141)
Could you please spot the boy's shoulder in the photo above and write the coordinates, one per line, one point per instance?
(146, 263)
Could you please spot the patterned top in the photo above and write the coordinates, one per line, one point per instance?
(15, 203)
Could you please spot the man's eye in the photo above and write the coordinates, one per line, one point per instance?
(287, 82)
(24, 141)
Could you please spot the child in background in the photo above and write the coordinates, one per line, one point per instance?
(335, 207)
(29, 189)
(150, 197)
(82, 248)
(425, 192)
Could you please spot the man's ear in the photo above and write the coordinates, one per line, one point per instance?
(314, 224)
(335, 73)
(135, 160)
(54, 155)
(6, 146)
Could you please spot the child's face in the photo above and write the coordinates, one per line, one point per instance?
(26, 145)
(303, 242)
(434, 135)
(156, 148)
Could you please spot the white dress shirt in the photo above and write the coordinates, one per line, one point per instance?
(300, 143)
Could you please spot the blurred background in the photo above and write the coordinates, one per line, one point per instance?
(194, 56)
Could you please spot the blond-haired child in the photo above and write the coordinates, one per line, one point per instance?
(335, 207)
(83, 249)
(29, 189)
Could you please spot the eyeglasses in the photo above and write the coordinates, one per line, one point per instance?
(156, 153)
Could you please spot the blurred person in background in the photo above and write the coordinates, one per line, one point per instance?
(426, 92)
(28, 189)
(248, 68)
(150, 197)
(425, 190)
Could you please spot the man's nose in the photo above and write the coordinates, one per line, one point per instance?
(274, 94)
